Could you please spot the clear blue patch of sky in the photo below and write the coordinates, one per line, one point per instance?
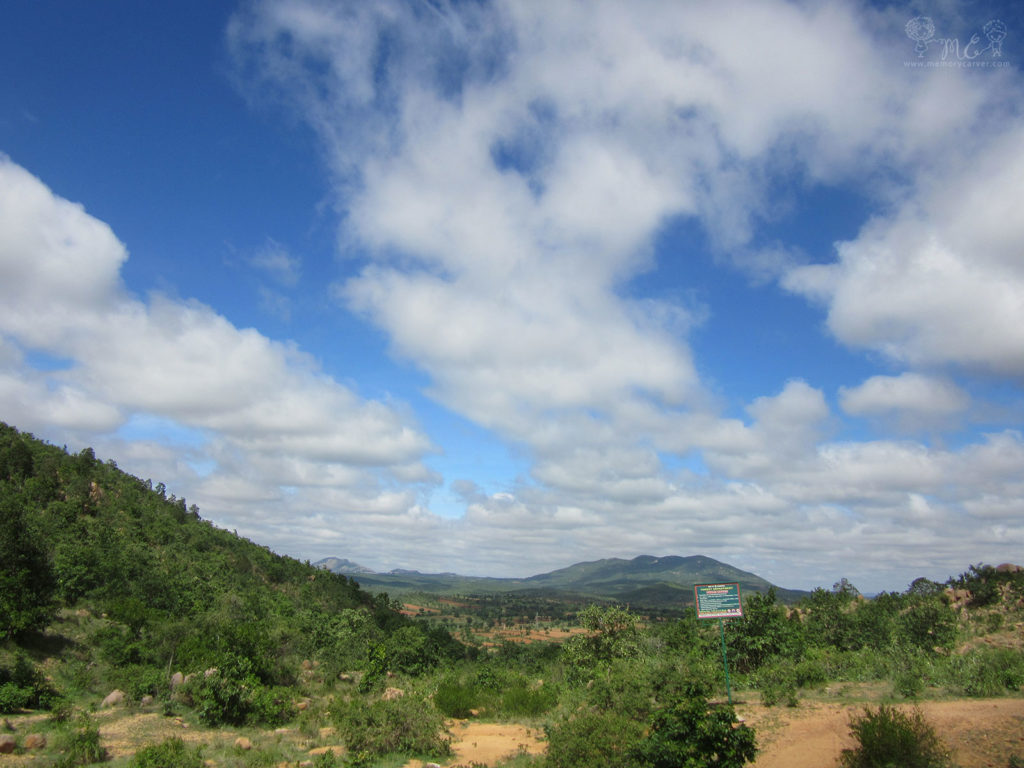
(127, 108)
(42, 361)
(756, 336)
(470, 452)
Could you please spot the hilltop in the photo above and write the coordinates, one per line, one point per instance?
(644, 582)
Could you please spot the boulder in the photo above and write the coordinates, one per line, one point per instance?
(7, 744)
(35, 741)
(146, 700)
(113, 698)
(177, 679)
(1009, 568)
(243, 744)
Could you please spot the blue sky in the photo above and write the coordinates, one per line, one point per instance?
(498, 287)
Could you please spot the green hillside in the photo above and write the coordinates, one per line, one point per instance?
(643, 582)
(95, 559)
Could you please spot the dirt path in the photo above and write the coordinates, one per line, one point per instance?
(981, 733)
(489, 743)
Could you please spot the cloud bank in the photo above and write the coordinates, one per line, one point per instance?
(502, 172)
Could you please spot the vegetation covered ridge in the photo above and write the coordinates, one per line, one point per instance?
(644, 581)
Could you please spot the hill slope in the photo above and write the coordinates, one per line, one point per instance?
(645, 581)
(139, 584)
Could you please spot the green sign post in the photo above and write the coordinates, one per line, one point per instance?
(719, 601)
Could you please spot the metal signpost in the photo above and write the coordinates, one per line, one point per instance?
(719, 601)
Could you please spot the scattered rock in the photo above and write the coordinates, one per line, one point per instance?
(146, 700)
(211, 672)
(302, 705)
(243, 744)
(35, 741)
(391, 694)
(113, 698)
(336, 750)
(346, 678)
(431, 765)
(7, 744)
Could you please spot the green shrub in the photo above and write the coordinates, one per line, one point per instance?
(455, 699)
(986, 671)
(271, 705)
(172, 753)
(235, 696)
(523, 701)
(888, 737)
(24, 687)
(405, 725)
(777, 683)
(810, 672)
(590, 738)
(909, 682)
(689, 734)
(80, 745)
(139, 681)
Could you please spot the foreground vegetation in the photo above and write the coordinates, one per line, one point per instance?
(107, 583)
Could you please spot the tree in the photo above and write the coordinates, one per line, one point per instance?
(614, 634)
(26, 579)
(763, 632)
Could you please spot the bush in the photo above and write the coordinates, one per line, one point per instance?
(523, 701)
(909, 682)
(455, 699)
(590, 738)
(888, 737)
(24, 687)
(778, 683)
(236, 697)
(689, 734)
(172, 753)
(986, 672)
(80, 746)
(406, 725)
(13, 698)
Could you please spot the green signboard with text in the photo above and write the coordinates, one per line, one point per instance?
(718, 601)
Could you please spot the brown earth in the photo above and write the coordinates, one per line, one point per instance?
(489, 743)
(981, 733)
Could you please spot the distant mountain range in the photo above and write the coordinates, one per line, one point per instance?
(644, 581)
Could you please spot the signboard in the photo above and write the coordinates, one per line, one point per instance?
(718, 601)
